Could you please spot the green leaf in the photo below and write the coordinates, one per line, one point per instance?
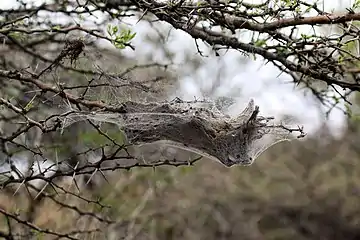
(115, 29)
(18, 36)
(304, 36)
(109, 29)
(120, 39)
(57, 27)
(260, 42)
(30, 104)
(356, 4)
(348, 110)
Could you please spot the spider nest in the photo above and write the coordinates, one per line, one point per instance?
(197, 126)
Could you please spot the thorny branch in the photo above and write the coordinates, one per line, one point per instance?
(41, 100)
(307, 58)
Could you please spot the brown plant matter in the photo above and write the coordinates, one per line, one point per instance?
(72, 50)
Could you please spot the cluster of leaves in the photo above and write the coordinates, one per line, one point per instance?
(120, 39)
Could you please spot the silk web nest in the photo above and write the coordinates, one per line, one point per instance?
(200, 127)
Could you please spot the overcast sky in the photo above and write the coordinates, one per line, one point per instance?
(253, 80)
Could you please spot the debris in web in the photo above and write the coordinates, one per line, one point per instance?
(197, 126)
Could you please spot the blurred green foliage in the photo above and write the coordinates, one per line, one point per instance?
(302, 190)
